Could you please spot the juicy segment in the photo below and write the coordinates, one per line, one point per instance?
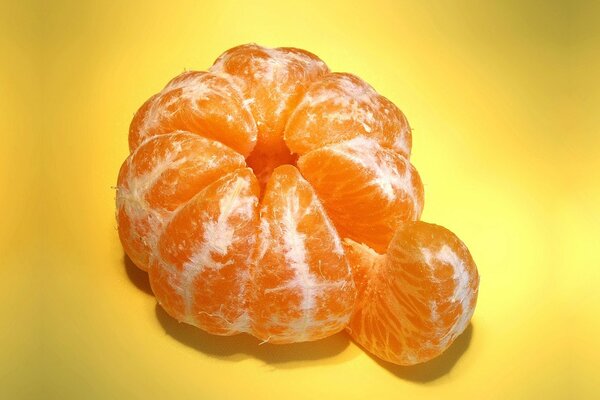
(274, 82)
(415, 300)
(200, 275)
(366, 189)
(303, 288)
(159, 176)
(340, 107)
(200, 102)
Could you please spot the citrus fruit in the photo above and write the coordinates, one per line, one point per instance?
(272, 197)
(415, 299)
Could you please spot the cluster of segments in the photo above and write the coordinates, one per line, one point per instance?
(266, 196)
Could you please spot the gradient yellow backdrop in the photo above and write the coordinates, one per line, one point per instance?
(503, 97)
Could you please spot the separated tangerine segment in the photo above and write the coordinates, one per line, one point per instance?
(303, 288)
(157, 178)
(199, 102)
(340, 107)
(273, 82)
(200, 274)
(417, 298)
(366, 189)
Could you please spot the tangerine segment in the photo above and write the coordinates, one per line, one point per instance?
(201, 274)
(303, 288)
(274, 82)
(415, 300)
(159, 176)
(366, 189)
(198, 102)
(342, 106)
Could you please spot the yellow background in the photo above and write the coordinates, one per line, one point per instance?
(503, 97)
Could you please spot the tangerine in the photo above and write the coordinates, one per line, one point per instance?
(273, 197)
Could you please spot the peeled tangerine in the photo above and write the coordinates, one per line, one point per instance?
(271, 196)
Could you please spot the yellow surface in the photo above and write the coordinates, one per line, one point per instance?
(503, 97)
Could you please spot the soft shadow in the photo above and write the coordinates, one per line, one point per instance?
(239, 347)
(138, 277)
(436, 368)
